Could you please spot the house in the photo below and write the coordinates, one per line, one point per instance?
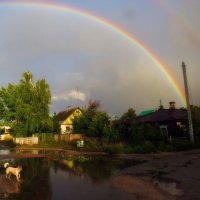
(172, 121)
(6, 129)
(65, 119)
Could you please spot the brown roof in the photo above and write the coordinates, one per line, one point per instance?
(165, 115)
(61, 116)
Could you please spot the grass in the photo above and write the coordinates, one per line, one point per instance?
(95, 145)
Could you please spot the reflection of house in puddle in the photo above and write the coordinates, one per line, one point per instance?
(168, 185)
(71, 167)
(8, 186)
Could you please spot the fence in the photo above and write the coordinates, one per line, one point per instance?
(27, 140)
(68, 137)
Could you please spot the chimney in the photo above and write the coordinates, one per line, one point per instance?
(171, 105)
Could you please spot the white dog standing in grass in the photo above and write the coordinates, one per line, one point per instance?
(12, 171)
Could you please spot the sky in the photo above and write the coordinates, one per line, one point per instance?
(83, 59)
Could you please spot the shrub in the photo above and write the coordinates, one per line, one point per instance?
(9, 143)
(147, 147)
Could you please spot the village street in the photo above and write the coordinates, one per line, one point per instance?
(162, 176)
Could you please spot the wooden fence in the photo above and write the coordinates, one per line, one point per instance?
(27, 140)
(68, 137)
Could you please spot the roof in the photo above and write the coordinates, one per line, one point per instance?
(165, 115)
(61, 116)
(146, 112)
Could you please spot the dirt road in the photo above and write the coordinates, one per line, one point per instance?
(162, 176)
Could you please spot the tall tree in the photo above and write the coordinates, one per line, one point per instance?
(128, 125)
(27, 105)
(83, 122)
(8, 103)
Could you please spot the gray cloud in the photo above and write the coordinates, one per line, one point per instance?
(70, 52)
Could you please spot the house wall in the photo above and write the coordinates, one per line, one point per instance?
(66, 126)
(65, 129)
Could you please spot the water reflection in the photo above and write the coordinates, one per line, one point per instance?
(35, 182)
(71, 178)
(98, 169)
(168, 185)
(8, 186)
(4, 151)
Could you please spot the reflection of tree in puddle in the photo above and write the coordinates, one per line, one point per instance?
(98, 169)
(35, 182)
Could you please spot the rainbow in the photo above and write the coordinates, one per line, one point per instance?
(124, 34)
(177, 16)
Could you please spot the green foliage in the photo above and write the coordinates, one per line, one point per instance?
(56, 126)
(8, 143)
(195, 110)
(99, 125)
(127, 126)
(180, 144)
(130, 115)
(110, 133)
(8, 102)
(26, 105)
(93, 145)
(81, 123)
(147, 147)
(95, 123)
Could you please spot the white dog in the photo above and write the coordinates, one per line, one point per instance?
(12, 171)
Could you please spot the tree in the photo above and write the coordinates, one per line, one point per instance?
(83, 122)
(27, 105)
(95, 123)
(130, 115)
(8, 103)
(195, 111)
(127, 125)
(99, 124)
(56, 126)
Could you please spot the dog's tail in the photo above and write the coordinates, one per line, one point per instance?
(6, 165)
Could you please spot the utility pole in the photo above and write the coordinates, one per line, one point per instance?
(188, 103)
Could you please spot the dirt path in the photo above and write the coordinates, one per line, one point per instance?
(175, 175)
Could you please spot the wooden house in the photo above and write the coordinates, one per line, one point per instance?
(172, 121)
(65, 119)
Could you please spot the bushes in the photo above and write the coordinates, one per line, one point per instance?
(8, 143)
(147, 147)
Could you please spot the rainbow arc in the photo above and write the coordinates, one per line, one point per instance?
(115, 28)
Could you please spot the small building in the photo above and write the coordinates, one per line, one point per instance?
(172, 121)
(65, 119)
(5, 129)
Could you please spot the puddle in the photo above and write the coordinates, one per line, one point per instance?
(77, 177)
(168, 185)
(4, 151)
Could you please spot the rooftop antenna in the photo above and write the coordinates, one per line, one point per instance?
(188, 103)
